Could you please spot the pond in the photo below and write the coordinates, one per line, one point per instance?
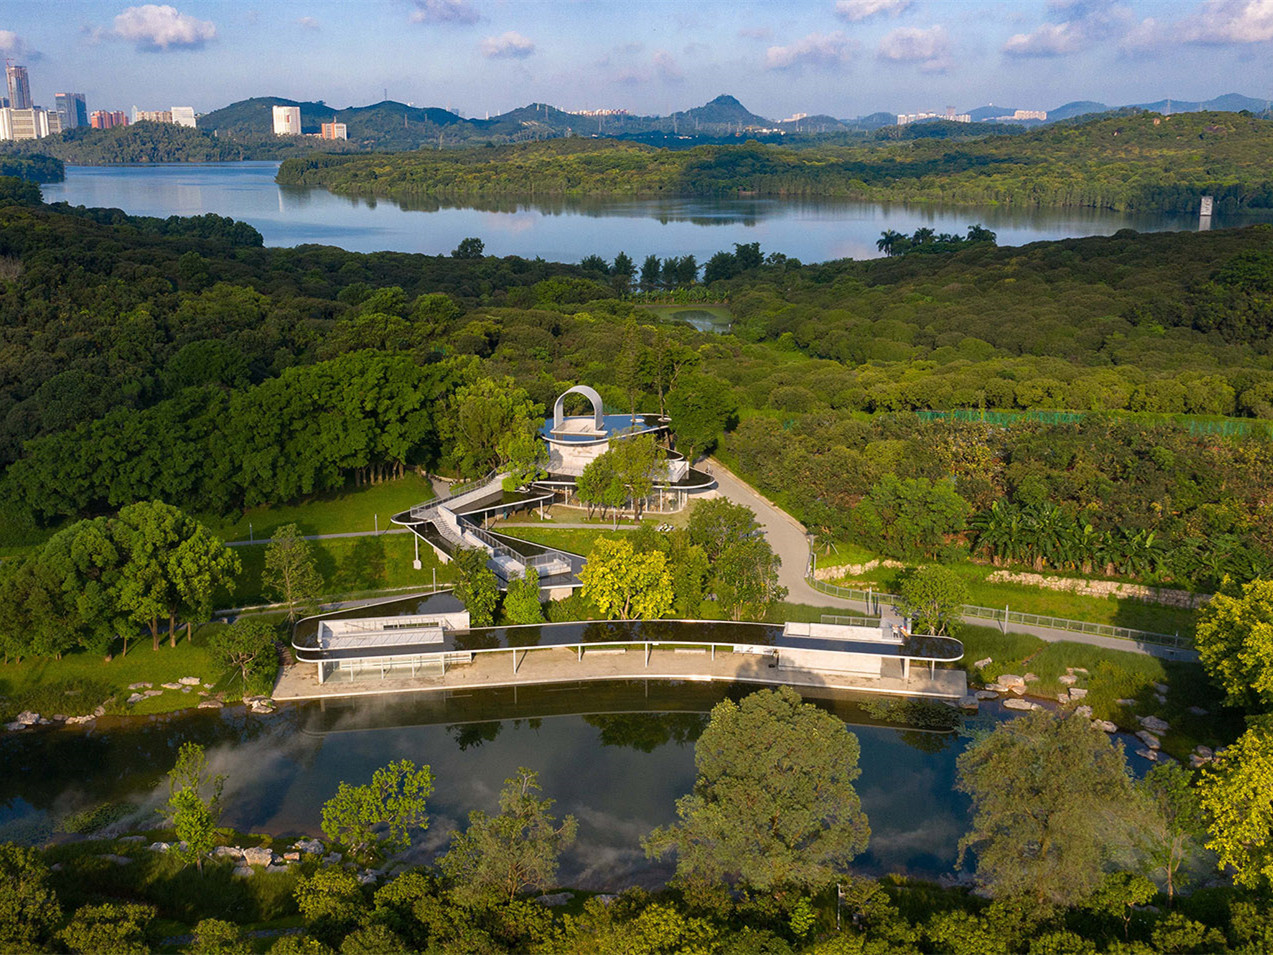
(616, 756)
(565, 230)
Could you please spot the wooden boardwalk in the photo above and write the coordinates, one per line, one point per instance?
(562, 665)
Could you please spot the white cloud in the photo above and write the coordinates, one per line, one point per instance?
(1230, 21)
(666, 67)
(11, 43)
(854, 11)
(930, 48)
(510, 45)
(153, 27)
(1051, 39)
(816, 50)
(444, 11)
(308, 23)
(756, 33)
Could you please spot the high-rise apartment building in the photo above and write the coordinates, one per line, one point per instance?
(71, 107)
(23, 124)
(108, 119)
(287, 120)
(19, 87)
(335, 131)
(183, 116)
(152, 115)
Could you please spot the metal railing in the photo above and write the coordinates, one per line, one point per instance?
(838, 621)
(423, 511)
(1003, 615)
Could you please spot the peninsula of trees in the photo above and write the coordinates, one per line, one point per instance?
(1137, 161)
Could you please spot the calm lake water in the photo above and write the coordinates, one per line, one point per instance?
(563, 231)
(615, 756)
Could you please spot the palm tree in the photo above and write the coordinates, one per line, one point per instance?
(888, 240)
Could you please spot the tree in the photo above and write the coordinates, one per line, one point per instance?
(773, 802)
(109, 929)
(717, 524)
(932, 597)
(636, 463)
(1174, 823)
(701, 408)
(502, 855)
(475, 585)
(521, 603)
(1234, 637)
(470, 248)
(218, 937)
(746, 579)
(194, 804)
(485, 418)
(332, 903)
(1237, 796)
(290, 574)
(379, 817)
(624, 583)
(596, 485)
(623, 269)
(524, 455)
(1119, 893)
(245, 645)
(1052, 806)
(631, 364)
(651, 269)
(911, 517)
(29, 908)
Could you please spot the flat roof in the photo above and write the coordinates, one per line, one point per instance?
(581, 429)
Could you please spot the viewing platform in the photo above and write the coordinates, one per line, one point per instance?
(423, 643)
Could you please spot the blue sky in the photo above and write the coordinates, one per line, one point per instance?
(842, 57)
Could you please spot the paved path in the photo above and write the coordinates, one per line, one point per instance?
(788, 539)
(563, 525)
(325, 537)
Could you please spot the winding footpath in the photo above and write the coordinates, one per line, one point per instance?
(790, 541)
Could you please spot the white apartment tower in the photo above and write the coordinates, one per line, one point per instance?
(287, 120)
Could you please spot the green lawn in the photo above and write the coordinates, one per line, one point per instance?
(842, 553)
(348, 565)
(572, 539)
(341, 512)
(1123, 613)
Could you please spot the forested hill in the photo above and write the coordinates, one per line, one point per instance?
(1132, 161)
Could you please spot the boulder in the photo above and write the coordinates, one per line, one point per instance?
(1069, 679)
(152, 692)
(332, 858)
(1149, 754)
(1154, 724)
(557, 898)
(189, 681)
(1149, 739)
(984, 662)
(1017, 690)
(1077, 693)
(76, 720)
(29, 717)
(1016, 704)
(1063, 698)
(58, 718)
(1197, 711)
(15, 725)
(1031, 678)
(1204, 751)
(99, 711)
(1085, 711)
(968, 703)
(140, 686)
(159, 847)
(1082, 670)
(986, 695)
(291, 857)
(1105, 725)
(274, 867)
(1011, 680)
(209, 705)
(243, 872)
(1160, 688)
(312, 846)
(258, 855)
(367, 878)
(171, 686)
(1197, 762)
(227, 852)
(1125, 702)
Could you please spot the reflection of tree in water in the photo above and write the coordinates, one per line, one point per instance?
(646, 732)
(926, 742)
(472, 735)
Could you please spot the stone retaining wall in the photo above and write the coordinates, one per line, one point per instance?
(1103, 588)
(854, 570)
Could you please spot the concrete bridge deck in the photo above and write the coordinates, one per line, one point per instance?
(537, 667)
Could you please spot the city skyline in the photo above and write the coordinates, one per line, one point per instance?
(841, 57)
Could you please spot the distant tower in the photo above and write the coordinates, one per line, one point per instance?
(287, 120)
(1204, 213)
(73, 110)
(19, 87)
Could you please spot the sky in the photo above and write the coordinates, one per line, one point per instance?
(845, 58)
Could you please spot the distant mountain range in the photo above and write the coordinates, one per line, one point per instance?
(391, 125)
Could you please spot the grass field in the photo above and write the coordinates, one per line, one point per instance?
(1121, 613)
(341, 512)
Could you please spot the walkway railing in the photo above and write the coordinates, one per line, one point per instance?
(423, 511)
(839, 621)
(874, 599)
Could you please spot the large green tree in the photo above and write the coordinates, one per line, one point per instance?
(475, 585)
(746, 579)
(513, 851)
(194, 804)
(1053, 807)
(1173, 824)
(717, 524)
(1234, 637)
(522, 602)
(773, 803)
(702, 408)
(29, 909)
(109, 929)
(932, 597)
(290, 574)
(379, 817)
(486, 418)
(1237, 796)
(626, 584)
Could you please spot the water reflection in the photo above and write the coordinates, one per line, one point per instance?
(563, 229)
(616, 756)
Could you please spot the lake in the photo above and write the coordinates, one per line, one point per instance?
(564, 230)
(616, 756)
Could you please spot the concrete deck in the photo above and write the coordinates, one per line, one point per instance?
(561, 665)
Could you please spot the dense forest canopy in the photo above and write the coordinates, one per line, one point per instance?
(180, 360)
(1123, 161)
